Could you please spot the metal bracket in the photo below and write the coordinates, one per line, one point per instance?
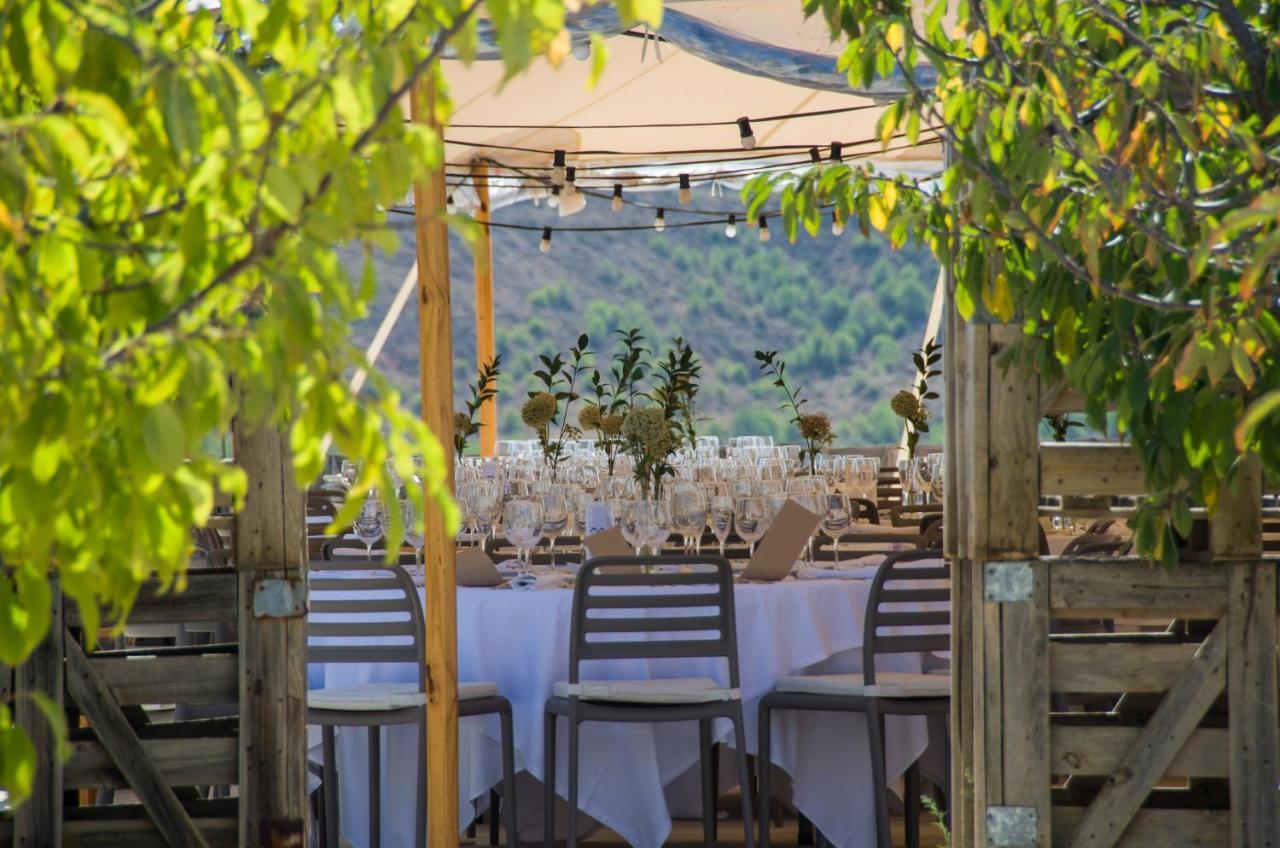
(1008, 582)
(275, 597)
(1012, 827)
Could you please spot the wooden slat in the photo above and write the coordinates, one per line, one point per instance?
(139, 833)
(1025, 705)
(1157, 745)
(1013, 491)
(182, 762)
(435, 351)
(1106, 588)
(117, 736)
(209, 596)
(1060, 399)
(1093, 667)
(38, 822)
(1235, 526)
(1251, 694)
(1074, 468)
(1097, 751)
(1153, 828)
(175, 679)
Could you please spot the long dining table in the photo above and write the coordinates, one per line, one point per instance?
(629, 772)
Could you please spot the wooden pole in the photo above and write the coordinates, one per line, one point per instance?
(486, 347)
(271, 555)
(436, 371)
(38, 822)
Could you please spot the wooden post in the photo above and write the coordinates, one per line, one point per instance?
(486, 346)
(38, 822)
(436, 371)
(271, 555)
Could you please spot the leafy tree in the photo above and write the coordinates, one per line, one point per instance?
(174, 182)
(1114, 185)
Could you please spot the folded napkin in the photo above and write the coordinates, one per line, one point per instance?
(530, 582)
(848, 572)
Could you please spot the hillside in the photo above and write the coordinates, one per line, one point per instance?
(846, 311)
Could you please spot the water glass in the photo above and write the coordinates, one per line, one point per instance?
(522, 523)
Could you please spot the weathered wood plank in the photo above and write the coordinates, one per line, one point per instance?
(209, 596)
(1097, 751)
(144, 777)
(1074, 468)
(1153, 828)
(175, 679)
(270, 544)
(1156, 746)
(1105, 588)
(1058, 399)
(436, 369)
(136, 833)
(1251, 695)
(1013, 489)
(38, 822)
(1117, 667)
(1025, 705)
(1235, 525)
(182, 762)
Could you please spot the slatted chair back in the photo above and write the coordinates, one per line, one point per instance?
(621, 610)
(1094, 545)
(909, 608)
(910, 515)
(866, 510)
(359, 613)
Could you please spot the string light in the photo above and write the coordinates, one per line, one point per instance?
(746, 136)
(553, 200)
(837, 223)
(557, 168)
(837, 151)
(686, 190)
(814, 156)
(616, 203)
(545, 243)
(660, 220)
(764, 228)
(449, 206)
(570, 187)
(731, 228)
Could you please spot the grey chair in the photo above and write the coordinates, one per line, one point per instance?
(877, 694)
(351, 603)
(623, 610)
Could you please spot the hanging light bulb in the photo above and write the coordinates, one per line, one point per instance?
(814, 156)
(837, 151)
(545, 244)
(557, 168)
(616, 203)
(570, 175)
(764, 229)
(686, 191)
(553, 200)
(449, 206)
(731, 228)
(660, 221)
(837, 223)
(745, 135)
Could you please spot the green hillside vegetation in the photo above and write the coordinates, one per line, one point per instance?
(845, 312)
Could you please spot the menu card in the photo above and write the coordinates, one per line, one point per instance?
(605, 543)
(786, 537)
(475, 568)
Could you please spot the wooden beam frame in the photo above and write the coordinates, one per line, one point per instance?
(436, 374)
(486, 345)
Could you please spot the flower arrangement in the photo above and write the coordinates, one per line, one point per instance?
(650, 439)
(483, 389)
(909, 404)
(815, 427)
(559, 378)
(615, 394)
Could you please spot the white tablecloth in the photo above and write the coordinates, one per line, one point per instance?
(520, 640)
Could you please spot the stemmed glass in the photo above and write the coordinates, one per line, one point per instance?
(412, 527)
(485, 503)
(939, 477)
(659, 527)
(922, 469)
(522, 523)
(688, 513)
(370, 525)
(750, 520)
(555, 517)
(721, 518)
(836, 518)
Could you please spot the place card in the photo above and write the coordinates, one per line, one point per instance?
(475, 568)
(598, 516)
(786, 537)
(606, 543)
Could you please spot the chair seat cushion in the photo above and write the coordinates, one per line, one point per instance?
(889, 684)
(386, 696)
(674, 690)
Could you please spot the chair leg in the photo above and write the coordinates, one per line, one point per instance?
(804, 831)
(911, 805)
(740, 741)
(764, 755)
(879, 789)
(329, 785)
(495, 804)
(549, 780)
(375, 786)
(508, 779)
(706, 752)
(420, 816)
(571, 827)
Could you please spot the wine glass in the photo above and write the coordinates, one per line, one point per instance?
(720, 516)
(632, 524)
(923, 469)
(939, 478)
(370, 525)
(836, 518)
(659, 527)
(555, 517)
(412, 527)
(522, 523)
(688, 513)
(486, 507)
(750, 520)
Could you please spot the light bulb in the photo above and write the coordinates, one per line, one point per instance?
(545, 244)
(745, 135)
(686, 192)
(616, 203)
(557, 168)
(449, 206)
(837, 225)
(764, 229)
(660, 221)
(837, 151)
(570, 186)
(731, 228)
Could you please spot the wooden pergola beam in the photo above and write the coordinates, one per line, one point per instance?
(486, 346)
(435, 346)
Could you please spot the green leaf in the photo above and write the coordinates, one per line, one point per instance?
(163, 437)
